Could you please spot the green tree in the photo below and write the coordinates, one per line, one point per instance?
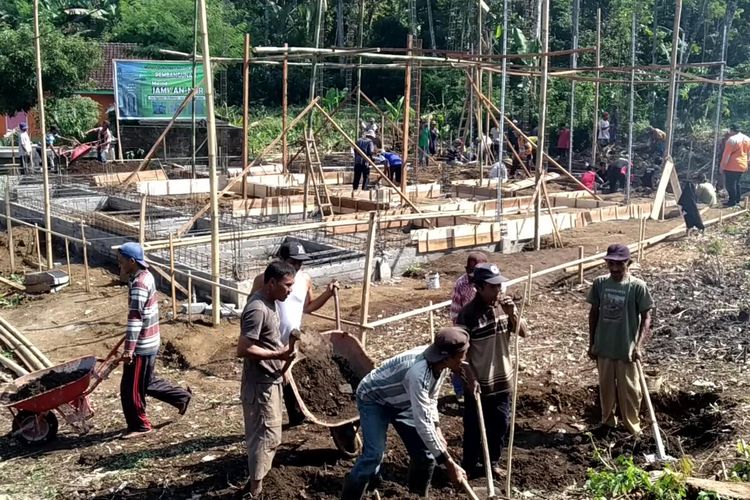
(73, 115)
(67, 62)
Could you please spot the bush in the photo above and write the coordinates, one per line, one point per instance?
(73, 115)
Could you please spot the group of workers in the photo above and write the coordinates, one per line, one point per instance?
(370, 151)
(30, 154)
(402, 391)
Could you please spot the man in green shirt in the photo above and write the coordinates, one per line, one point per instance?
(619, 325)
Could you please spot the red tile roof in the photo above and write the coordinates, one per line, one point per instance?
(102, 76)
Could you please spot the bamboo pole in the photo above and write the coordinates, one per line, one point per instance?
(541, 136)
(556, 231)
(194, 84)
(641, 236)
(151, 152)
(87, 284)
(190, 297)
(432, 323)
(673, 78)
(142, 221)
(22, 351)
(15, 334)
(246, 113)
(516, 352)
(717, 124)
(407, 104)
(369, 261)
(11, 365)
(9, 228)
(501, 125)
(594, 138)
(212, 165)
(38, 248)
(630, 113)
(573, 65)
(67, 258)
(531, 275)
(43, 127)
(185, 227)
(360, 42)
(580, 267)
(172, 276)
(284, 113)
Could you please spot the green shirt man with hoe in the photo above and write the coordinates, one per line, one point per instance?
(619, 325)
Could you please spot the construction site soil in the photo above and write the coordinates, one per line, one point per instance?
(46, 382)
(696, 368)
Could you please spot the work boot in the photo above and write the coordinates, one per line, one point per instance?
(420, 476)
(353, 490)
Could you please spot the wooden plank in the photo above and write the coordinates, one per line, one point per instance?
(724, 489)
(661, 191)
(114, 179)
(275, 205)
(12, 284)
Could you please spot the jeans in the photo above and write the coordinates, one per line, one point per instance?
(361, 172)
(733, 186)
(458, 385)
(496, 411)
(394, 174)
(375, 419)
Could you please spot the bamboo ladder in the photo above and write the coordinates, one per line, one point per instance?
(315, 171)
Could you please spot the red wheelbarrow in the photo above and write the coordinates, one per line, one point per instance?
(34, 419)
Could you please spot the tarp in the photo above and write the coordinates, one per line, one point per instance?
(153, 90)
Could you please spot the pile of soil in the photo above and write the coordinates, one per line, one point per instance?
(45, 383)
(324, 381)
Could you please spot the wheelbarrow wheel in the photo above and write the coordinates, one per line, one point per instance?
(347, 440)
(33, 428)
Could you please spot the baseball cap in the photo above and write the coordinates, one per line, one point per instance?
(448, 341)
(23, 126)
(488, 273)
(293, 250)
(134, 251)
(370, 133)
(618, 252)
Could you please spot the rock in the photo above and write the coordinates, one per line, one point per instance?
(193, 308)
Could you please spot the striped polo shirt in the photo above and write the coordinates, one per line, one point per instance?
(142, 334)
(407, 384)
(489, 353)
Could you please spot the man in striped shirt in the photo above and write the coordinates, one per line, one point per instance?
(403, 391)
(142, 342)
(463, 293)
(489, 360)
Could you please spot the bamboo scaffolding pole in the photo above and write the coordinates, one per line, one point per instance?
(542, 135)
(407, 104)
(369, 262)
(246, 114)
(580, 267)
(163, 135)
(360, 40)
(574, 65)
(21, 351)
(11, 365)
(142, 221)
(194, 61)
(501, 124)
(43, 127)
(185, 227)
(594, 135)
(717, 124)
(38, 247)
(190, 297)
(9, 228)
(87, 282)
(67, 258)
(172, 276)
(556, 231)
(15, 334)
(284, 117)
(212, 165)
(673, 78)
(630, 113)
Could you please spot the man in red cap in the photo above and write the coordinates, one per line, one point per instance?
(619, 324)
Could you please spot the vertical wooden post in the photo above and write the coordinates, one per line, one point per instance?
(673, 82)
(43, 127)
(432, 324)
(172, 276)
(119, 133)
(142, 221)
(212, 167)
(407, 104)
(9, 227)
(596, 85)
(531, 276)
(542, 125)
(284, 109)
(38, 247)
(580, 265)
(641, 236)
(67, 257)
(369, 261)
(190, 297)
(85, 259)
(245, 111)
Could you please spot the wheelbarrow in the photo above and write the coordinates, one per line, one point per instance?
(34, 419)
(343, 432)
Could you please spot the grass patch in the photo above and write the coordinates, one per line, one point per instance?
(732, 230)
(716, 247)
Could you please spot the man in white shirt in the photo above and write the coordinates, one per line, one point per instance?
(104, 140)
(24, 148)
(602, 130)
(291, 310)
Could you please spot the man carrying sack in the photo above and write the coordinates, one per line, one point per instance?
(619, 325)
(403, 392)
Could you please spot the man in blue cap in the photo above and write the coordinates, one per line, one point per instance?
(24, 148)
(619, 325)
(142, 342)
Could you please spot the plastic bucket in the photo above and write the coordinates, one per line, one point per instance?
(433, 281)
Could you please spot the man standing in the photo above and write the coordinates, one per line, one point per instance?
(263, 355)
(104, 140)
(489, 359)
(602, 131)
(300, 301)
(463, 293)
(25, 149)
(424, 144)
(403, 391)
(563, 142)
(658, 140)
(361, 165)
(734, 162)
(619, 326)
(142, 342)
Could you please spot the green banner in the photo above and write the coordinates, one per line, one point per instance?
(153, 90)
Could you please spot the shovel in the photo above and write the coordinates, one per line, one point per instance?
(661, 454)
(337, 307)
(485, 448)
(294, 336)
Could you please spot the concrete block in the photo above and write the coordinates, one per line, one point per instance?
(193, 308)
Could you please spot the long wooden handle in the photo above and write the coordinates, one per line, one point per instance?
(338, 307)
(469, 491)
(485, 447)
(288, 362)
(657, 435)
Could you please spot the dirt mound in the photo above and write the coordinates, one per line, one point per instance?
(694, 421)
(321, 382)
(45, 383)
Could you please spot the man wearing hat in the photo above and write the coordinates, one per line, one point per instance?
(142, 342)
(403, 392)
(299, 302)
(619, 324)
(24, 148)
(361, 166)
(489, 360)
